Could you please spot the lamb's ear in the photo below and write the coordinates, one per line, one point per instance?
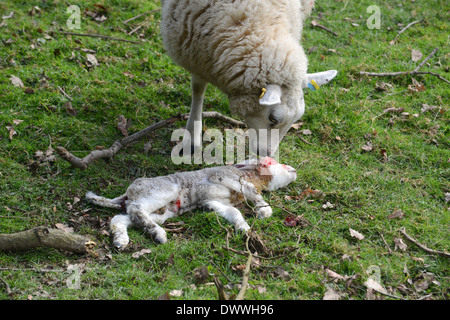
(271, 95)
(321, 78)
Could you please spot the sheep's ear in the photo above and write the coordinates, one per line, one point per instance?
(271, 95)
(321, 78)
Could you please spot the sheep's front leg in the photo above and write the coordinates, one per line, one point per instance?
(231, 214)
(194, 123)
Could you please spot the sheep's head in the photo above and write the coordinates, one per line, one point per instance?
(270, 115)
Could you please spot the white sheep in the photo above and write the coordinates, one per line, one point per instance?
(250, 50)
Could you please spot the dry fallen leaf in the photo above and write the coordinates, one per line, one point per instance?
(396, 214)
(12, 131)
(176, 293)
(400, 244)
(63, 227)
(368, 147)
(416, 55)
(297, 125)
(372, 284)
(139, 254)
(306, 132)
(331, 294)
(69, 109)
(416, 86)
(91, 60)
(122, 125)
(356, 234)
(16, 81)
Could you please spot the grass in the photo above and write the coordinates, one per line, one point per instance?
(143, 84)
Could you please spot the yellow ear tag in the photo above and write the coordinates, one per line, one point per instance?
(315, 84)
(263, 92)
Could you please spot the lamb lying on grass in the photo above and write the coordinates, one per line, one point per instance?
(250, 50)
(151, 201)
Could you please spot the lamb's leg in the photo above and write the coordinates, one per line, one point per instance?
(230, 213)
(144, 215)
(195, 115)
(248, 190)
(118, 226)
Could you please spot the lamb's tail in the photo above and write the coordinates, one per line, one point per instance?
(116, 203)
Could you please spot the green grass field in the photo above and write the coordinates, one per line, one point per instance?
(367, 162)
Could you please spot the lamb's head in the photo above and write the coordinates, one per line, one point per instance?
(275, 174)
(281, 174)
(269, 115)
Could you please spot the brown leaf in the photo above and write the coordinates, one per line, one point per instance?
(396, 214)
(416, 86)
(400, 244)
(297, 125)
(63, 227)
(368, 147)
(16, 81)
(416, 55)
(139, 254)
(69, 109)
(123, 125)
(383, 153)
(331, 294)
(12, 131)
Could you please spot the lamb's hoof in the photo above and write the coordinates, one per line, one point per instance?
(264, 212)
(119, 246)
(244, 227)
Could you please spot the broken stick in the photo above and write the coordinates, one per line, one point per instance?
(421, 246)
(119, 144)
(412, 72)
(45, 237)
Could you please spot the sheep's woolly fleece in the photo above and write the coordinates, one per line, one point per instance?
(239, 46)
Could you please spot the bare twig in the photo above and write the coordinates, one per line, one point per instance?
(64, 93)
(426, 59)
(220, 289)
(385, 243)
(140, 15)
(119, 144)
(314, 23)
(401, 73)
(403, 30)
(8, 289)
(98, 36)
(421, 246)
(241, 294)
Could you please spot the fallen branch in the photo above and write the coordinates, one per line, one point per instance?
(421, 246)
(119, 144)
(45, 237)
(412, 72)
(98, 36)
(401, 73)
(314, 23)
(426, 59)
(401, 31)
